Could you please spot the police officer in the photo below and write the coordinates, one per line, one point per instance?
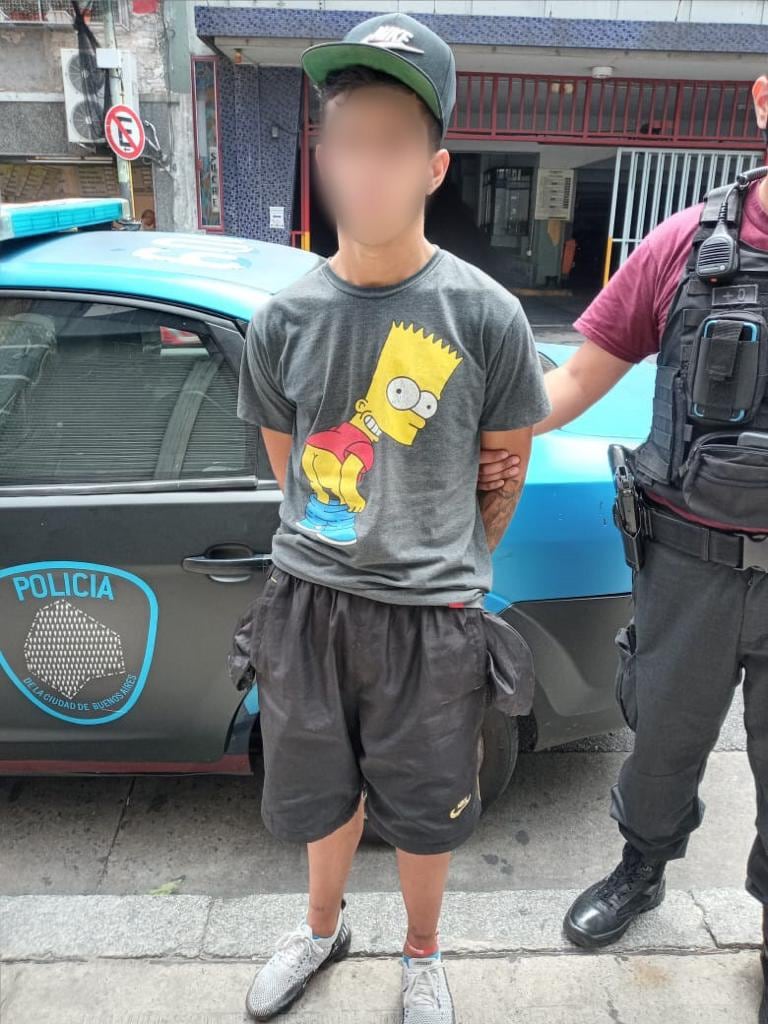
(694, 522)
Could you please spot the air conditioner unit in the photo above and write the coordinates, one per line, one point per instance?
(84, 93)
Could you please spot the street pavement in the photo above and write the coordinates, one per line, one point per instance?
(152, 900)
(146, 900)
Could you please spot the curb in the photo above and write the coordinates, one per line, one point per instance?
(46, 928)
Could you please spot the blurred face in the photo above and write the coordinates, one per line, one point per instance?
(376, 162)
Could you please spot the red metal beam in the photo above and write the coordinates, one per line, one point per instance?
(227, 764)
(304, 159)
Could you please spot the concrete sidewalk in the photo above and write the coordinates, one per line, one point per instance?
(719, 988)
(189, 959)
(100, 948)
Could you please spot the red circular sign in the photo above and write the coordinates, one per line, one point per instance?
(124, 132)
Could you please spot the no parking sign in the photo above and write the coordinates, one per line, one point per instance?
(124, 132)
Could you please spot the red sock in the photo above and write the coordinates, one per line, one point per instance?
(411, 950)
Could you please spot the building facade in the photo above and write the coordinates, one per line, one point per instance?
(578, 126)
(52, 104)
(579, 123)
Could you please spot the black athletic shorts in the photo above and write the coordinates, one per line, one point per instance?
(358, 694)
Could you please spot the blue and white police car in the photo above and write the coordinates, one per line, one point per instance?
(136, 509)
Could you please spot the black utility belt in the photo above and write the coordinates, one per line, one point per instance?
(725, 479)
(737, 550)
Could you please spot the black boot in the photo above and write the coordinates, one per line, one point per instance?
(603, 912)
(763, 1017)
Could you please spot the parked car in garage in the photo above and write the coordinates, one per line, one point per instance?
(137, 510)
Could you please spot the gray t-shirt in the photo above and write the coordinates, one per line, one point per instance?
(385, 391)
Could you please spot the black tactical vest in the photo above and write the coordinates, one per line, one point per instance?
(708, 447)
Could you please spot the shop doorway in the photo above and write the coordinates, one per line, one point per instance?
(589, 230)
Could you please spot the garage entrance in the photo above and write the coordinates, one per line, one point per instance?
(651, 184)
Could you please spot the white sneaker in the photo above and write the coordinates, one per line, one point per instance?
(426, 996)
(297, 958)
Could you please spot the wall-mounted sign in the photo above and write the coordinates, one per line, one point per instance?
(277, 217)
(554, 195)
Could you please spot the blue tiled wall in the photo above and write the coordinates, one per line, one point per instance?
(258, 171)
(592, 33)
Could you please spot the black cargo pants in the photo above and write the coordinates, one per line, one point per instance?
(696, 626)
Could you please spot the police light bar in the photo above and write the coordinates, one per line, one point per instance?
(22, 220)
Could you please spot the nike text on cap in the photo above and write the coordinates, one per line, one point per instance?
(400, 46)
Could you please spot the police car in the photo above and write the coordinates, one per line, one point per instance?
(137, 510)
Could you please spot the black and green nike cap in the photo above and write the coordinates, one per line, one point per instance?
(400, 46)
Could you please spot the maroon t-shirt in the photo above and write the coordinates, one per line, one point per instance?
(628, 316)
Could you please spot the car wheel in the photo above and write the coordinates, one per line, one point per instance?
(499, 744)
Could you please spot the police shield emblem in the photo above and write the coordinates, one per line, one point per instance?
(77, 638)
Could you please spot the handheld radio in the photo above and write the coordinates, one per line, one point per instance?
(718, 256)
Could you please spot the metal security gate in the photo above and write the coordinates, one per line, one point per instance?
(651, 184)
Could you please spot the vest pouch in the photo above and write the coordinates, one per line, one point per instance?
(727, 372)
(727, 482)
(660, 457)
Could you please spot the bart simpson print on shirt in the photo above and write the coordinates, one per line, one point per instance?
(410, 374)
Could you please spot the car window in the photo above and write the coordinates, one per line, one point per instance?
(100, 392)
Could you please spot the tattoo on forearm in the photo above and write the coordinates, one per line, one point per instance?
(497, 509)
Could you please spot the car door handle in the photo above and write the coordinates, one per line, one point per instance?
(225, 566)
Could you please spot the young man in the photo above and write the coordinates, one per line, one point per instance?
(701, 594)
(375, 379)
